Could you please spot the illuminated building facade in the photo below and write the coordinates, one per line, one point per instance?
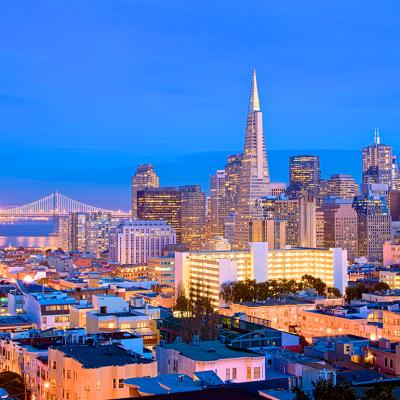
(268, 230)
(343, 186)
(203, 273)
(374, 225)
(193, 216)
(377, 163)
(162, 269)
(133, 242)
(304, 174)
(340, 225)
(254, 177)
(144, 178)
(217, 203)
(162, 204)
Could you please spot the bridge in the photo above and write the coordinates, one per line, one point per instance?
(55, 205)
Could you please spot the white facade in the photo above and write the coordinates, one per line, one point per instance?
(133, 242)
(204, 273)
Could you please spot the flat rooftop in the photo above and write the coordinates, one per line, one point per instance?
(13, 320)
(101, 356)
(210, 350)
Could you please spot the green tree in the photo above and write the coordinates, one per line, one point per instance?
(326, 390)
(315, 283)
(380, 391)
(300, 394)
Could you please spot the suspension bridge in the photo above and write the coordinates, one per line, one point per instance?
(55, 205)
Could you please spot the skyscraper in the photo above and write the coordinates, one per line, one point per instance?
(217, 203)
(193, 216)
(144, 178)
(233, 169)
(342, 185)
(254, 175)
(304, 174)
(340, 225)
(374, 225)
(161, 204)
(377, 163)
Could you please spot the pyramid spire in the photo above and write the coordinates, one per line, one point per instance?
(254, 99)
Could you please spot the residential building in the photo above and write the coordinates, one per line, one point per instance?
(94, 372)
(162, 270)
(229, 364)
(391, 253)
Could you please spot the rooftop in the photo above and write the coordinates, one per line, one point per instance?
(13, 320)
(101, 356)
(174, 383)
(209, 350)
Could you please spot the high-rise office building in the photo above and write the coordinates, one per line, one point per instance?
(268, 230)
(133, 242)
(395, 174)
(144, 178)
(340, 225)
(161, 204)
(304, 174)
(184, 208)
(374, 225)
(342, 185)
(377, 163)
(233, 169)
(300, 216)
(86, 232)
(254, 176)
(193, 216)
(217, 203)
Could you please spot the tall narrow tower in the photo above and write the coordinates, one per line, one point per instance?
(254, 177)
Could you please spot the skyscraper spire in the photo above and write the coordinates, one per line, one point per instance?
(254, 99)
(253, 180)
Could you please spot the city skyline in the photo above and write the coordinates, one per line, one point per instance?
(86, 109)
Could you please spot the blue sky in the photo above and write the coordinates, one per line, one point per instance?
(88, 89)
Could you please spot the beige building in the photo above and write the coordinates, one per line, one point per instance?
(269, 230)
(204, 273)
(94, 372)
(390, 277)
(340, 226)
(283, 312)
(342, 186)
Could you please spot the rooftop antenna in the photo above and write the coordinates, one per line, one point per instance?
(377, 139)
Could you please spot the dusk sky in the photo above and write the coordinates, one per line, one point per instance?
(89, 89)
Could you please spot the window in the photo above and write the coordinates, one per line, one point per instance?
(386, 362)
(391, 363)
(114, 383)
(248, 372)
(234, 373)
(120, 383)
(256, 372)
(68, 374)
(227, 374)
(54, 366)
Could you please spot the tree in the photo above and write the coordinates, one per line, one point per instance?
(315, 283)
(300, 394)
(326, 390)
(333, 292)
(356, 291)
(380, 391)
